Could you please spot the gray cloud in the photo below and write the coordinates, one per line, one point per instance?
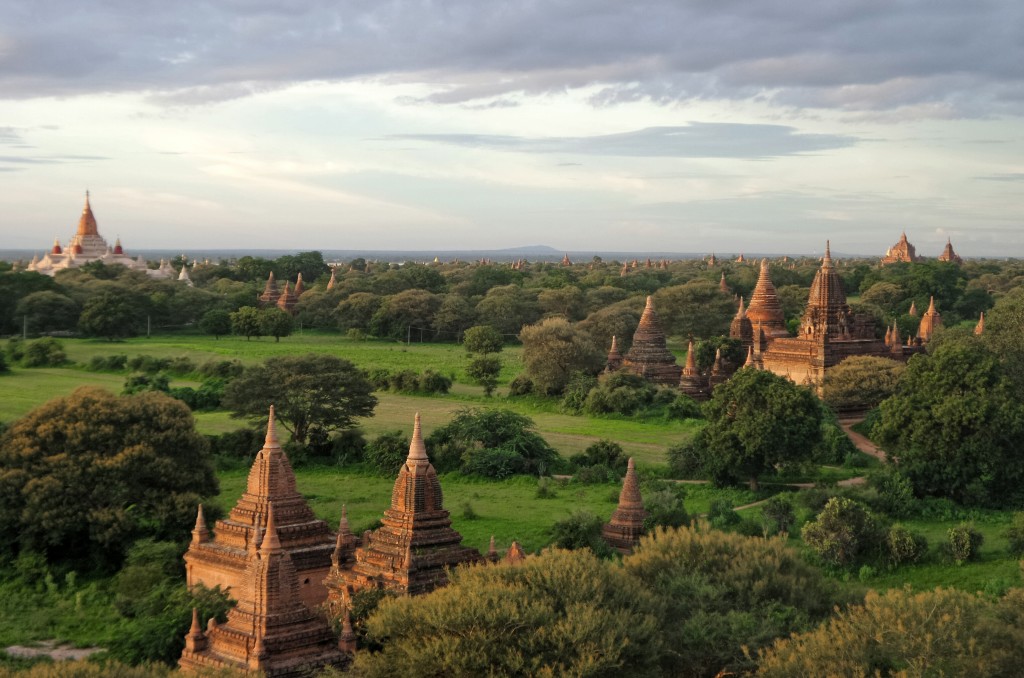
(922, 57)
(695, 140)
(1009, 176)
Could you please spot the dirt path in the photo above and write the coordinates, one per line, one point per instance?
(50, 648)
(862, 443)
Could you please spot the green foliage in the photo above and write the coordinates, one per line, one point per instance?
(241, 443)
(557, 614)
(734, 353)
(140, 383)
(475, 432)
(844, 533)
(621, 393)
(1003, 334)
(901, 633)
(1015, 534)
(860, 383)
(904, 546)
(964, 543)
(246, 322)
(576, 391)
(520, 385)
(685, 461)
(554, 350)
(605, 453)
(46, 352)
(387, 452)
(307, 391)
(3, 364)
(895, 493)
(108, 363)
(496, 464)
(721, 514)
(581, 530)
(113, 314)
(484, 370)
(84, 476)
(276, 323)
(956, 426)
(721, 592)
(482, 339)
(90, 668)
(665, 505)
(216, 321)
(757, 421)
(684, 407)
(48, 311)
(778, 515)
(834, 447)
(207, 397)
(545, 490)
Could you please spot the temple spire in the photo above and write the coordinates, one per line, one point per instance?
(417, 450)
(201, 533)
(271, 440)
(347, 640)
(623, 531)
(827, 259)
(979, 329)
(271, 542)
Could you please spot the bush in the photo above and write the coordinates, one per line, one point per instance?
(220, 369)
(109, 363)
(380, 378)
(242, 443)
(778, 515)
(581, 530)
(545, 490)
(206, 397)
(148, 364)
(835, 445)
(721, 514)
(904, 546)
(472, 431)
(665, 504)
(520, 385)
(895, 493)
(607, 453)
(685, 462)
(844, 533)
(138, 383)
(1015, 534)
(433, 382)
(348, 446)
(964, 543)
(576, 391)
(3, 364)
(595, 475)
(497, 464)
(15, 349)
(46, 352)
(620, 393)
(684, 407)
(404, 381)
(387, 452)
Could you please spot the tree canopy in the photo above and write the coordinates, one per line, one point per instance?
(554, 350)
(309, 391)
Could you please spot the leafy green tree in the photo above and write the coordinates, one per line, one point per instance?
(757, 421)
(307, 391)
(955, 426)
(508, 308)
(453, 317)
(901, 633)
(554, 350)
(844, 533)
(696, 309)
(318, 309)
(475, 431)
(557, 614)
(85, 475)
(245, 322)
(1003, 333)
(483, 339)
(410, 312)
(566, 301)
(113, 314)
(484, 370)
(387, 452)
(619, 321)
(48, 311)
(216, 322)
(276, 323)
(46, 352)
(860, 383)
(581, 530)
(722, 592)
(356, 312)
(734, 353)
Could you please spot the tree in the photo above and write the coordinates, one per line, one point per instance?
(955, 426)
(566, 301)
(756, 422)
(844, 533)
(860, 383)
(320, 391)
(113, 314)
(478, 432)
(722, 592)
(85, 475)
(554, 350)
(246, 322)
(48, 311)
(484, 370)
(508, 308)
(559, 613)
(453, 317)
(408, 312)
(618, 320)
(901, 633)
(276, 323)
(483, 339)
(1003, 333)
(696, 309)
(355, 312)
(216, 322)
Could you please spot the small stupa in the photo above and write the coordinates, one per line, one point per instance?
(691, 382)
(649, 356)
(270, 294)
(614, 361)
(930, 321)
(765, 307)
(979, 329)
(626, 526)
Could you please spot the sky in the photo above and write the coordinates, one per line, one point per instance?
(594, 125)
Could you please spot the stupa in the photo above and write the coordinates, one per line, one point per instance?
(626, 526)
(979, 329)
(930, 321)
(949, 255)
(415, 543)
(270, 629)
(902, 251)
(287, 300)
(221, 559)
(614, 360)
(270, 294)
(649, 356)
(691, 382)
(765, 307)
(87, 245)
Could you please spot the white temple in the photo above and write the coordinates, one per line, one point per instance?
(88, 245)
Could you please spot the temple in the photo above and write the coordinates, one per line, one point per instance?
(649, 356)
(626, 526)
(930, 321)
(221, 558)
(691, 382)
(614, 360)
(902, 251)
(949, 255)
(765, 309)
(87, 245)
(414, 546)
(270, 629)
(287, 298)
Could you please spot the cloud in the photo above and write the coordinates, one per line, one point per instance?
(695, 140)
(925, 57)
(1008, 176)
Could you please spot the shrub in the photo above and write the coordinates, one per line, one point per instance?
(778, 515)
(404, 381)
(433, 382)
(576, 391)
(964, 543)
(721, 514)
(348, 446)
(471, 431)
(580, 530)
(685, 462)
(665, 504)
(895, 493)
(835, 445)
(520, 385)
(684, 407)
(220, 369)
(545, 490)
(46, 352)
(607, 453)
(904, 546)
(109, 363)
(844, 533)
(595, 475)
(242, 443)
(3, 364)
(468, 512)
(493, 463)
(148, 364)
(387, 452)
(1015, 534)
(181, 365)
(621, 393)
(15, 349)
(138, 383)
(380, 378)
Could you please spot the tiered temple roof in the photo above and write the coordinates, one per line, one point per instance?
(901, 251)
(827, 313)
(626, 526)
(287, 300)
(614, 361)
(270, 629)
(649, 356)
(723, 285)
(221, 559)
(270, 294)
(409, 553)
(765, 307)
(691, 382)
(930, 321)
(949, 255)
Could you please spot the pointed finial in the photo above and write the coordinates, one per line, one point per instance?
(615, 345)
(347, 640)
(417, 450)
(650, 303)
(201, 533)
(691, 364)
(492, 552)
(271, 439)
(741, 312)
(196, 629)
(343, 523)
(931, 306)
(750, 357)
(826, 261)
(271, 541)
(979, 329)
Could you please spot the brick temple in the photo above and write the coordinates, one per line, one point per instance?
(649, 356)
(221, 558)
(271, 629)
(409, 553)
(626, 526)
